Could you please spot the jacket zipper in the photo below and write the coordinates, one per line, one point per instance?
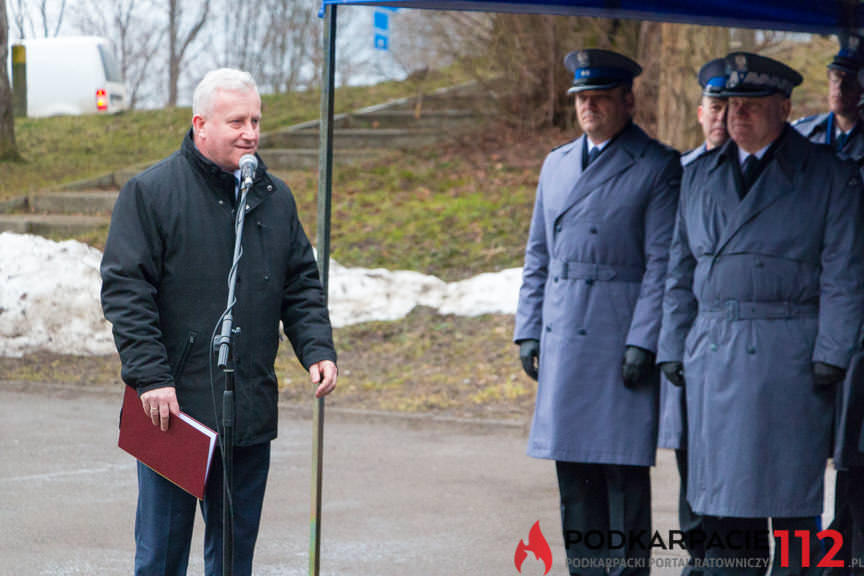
(187, 349)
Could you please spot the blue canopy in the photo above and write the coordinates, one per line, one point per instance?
(816, 16)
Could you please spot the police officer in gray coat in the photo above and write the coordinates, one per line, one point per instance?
(590, 308)
(673, 412)
(762, 309)
(711, 113)
(840, 128)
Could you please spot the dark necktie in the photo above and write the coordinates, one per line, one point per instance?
(749, 173)
(840, 141)
(592, 155)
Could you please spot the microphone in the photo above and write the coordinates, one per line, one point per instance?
(248, 166)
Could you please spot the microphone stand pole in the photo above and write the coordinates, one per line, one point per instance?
(222, 343)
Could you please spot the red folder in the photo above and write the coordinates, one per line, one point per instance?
(182, 454)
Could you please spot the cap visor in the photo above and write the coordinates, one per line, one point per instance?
(843, 67)
(748, 93)
(584, 87)
(714, 93)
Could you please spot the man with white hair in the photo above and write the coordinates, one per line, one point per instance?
(164, 272)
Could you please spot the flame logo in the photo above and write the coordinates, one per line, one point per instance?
(536, 544)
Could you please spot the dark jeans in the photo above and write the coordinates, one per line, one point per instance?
(166, 516)
(603, 499)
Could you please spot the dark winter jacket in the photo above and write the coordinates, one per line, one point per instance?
(165, 285)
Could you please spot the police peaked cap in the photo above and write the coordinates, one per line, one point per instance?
(752, 75)
(712, 78)
(847, 61)
(599, 69)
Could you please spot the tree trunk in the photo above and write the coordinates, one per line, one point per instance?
(8, 149)
(177, 46)
(685, 48)
(173, 58)
(647, 86)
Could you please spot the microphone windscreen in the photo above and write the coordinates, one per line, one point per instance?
(248, 162)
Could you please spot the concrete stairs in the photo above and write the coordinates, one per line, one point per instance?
(360, 136)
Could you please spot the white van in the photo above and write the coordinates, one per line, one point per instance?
(70, 75)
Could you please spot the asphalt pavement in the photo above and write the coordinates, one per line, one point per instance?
(417, 496)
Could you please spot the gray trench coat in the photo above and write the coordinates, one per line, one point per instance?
(673, 427)
(757, 290)
(595, 264)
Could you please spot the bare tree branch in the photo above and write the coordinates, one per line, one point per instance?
(136, 35)
(60, 18)
(178, 44)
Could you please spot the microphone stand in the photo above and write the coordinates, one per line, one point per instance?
(222, 343)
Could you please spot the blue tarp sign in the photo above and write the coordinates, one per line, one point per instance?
(382, 21)
(381, 24)
(382, 42)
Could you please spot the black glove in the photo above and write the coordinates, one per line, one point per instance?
(529, 353)
(638, 365)
(674, 372)
(826, 375)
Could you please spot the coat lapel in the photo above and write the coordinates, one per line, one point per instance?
(618, 157)
(773, 183)
(854, 149)
(722, 181)
(262, 188)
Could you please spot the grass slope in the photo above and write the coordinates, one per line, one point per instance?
(65, 149)
(453, 210)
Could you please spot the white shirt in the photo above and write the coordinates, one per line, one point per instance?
(600, 146)
(838, 132)
(742, 155)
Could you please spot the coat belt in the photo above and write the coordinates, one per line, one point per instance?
(590, 271)
(743, 310)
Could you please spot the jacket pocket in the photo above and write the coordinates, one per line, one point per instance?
(184, 356)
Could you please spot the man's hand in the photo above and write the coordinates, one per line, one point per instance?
(529, 353)
(637, 367)
(674, 372)
(159, 404)
(324, 374)
(826, 375)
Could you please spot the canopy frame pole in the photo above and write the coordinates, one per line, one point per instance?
(325, 186)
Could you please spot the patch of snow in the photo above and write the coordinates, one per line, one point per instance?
(489, 293)
(49, 296)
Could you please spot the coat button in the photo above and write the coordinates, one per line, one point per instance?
(221, 202)
(269, 187)
(759, 264)
(593, 230)
(266, 276)
(713, 347)
(751, 350)
(581, 331)
(589, 281)
(555, 279)
(548, 328)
